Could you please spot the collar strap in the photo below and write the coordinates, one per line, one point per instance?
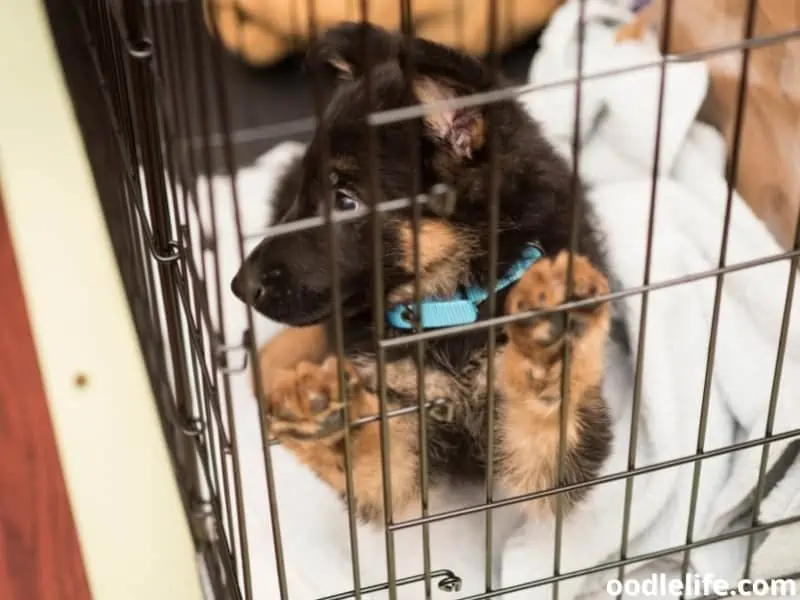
(463, 307)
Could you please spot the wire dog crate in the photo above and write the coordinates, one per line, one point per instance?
(168, 112)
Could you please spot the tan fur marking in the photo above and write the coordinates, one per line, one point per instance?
(296, 414)
(443, 255)
(448, 123)
(427, 91)
(343, 164)
(477, 133)
(437, 241)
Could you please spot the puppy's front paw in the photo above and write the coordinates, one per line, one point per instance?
(304, 403)
(543, 286)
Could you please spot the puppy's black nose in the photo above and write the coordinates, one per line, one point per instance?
(250, 285)
(273, 277)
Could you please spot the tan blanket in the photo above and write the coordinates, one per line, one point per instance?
(263, 32)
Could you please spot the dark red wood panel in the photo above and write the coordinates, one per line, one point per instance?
(40, 558)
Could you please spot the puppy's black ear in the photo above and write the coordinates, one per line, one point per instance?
(348, 47)
(461, 131)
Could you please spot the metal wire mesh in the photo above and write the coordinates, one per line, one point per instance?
(168, 111)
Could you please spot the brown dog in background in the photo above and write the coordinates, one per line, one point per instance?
(769, 149)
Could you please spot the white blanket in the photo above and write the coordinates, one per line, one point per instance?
(619, 120)
(619, 117)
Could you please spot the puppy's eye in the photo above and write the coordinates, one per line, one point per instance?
(345, 200)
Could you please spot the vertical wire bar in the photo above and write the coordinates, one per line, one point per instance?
(125, 131)
(125, 111)
(509, 22)
(712, 342)
(103, 34)
(164, 67)
(294, 28)
(379, 305)
(127, 156)
(112, 77)
(199, 52)
(141, 50)
(640, 348)
(491, 347)
(218, 462)
(336, 296)
(206, 451)
(123, 124)
(412, 131)
(773, 400)
(163, 64)
(458, 11)
(169, 62)
(152, 7)
(159, 65)
(223, 113)
(203, 390)
(565, 373)
(120, 124)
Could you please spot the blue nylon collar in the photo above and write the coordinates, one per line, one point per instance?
(463, 307)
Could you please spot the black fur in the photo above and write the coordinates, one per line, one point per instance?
(535, 193)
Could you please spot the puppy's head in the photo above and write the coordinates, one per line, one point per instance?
(288, 278)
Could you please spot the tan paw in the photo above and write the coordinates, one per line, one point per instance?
(304, 402)
(544, 285)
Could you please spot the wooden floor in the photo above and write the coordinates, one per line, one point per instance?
(39, 554)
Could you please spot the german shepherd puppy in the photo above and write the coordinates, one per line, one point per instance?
(287, 279)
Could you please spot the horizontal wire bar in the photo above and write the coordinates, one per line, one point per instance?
(659, 466)
(397, 412)
(723, 537)
(307, 125)
(508, 319)
(442, 573)
(785, 577)
(386, 117)
(343, 217)
(251, 135)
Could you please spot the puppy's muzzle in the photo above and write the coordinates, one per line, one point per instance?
(253, 287)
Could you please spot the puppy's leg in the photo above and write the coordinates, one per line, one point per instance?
(306, 415)
(530, 381)
(289, 348)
